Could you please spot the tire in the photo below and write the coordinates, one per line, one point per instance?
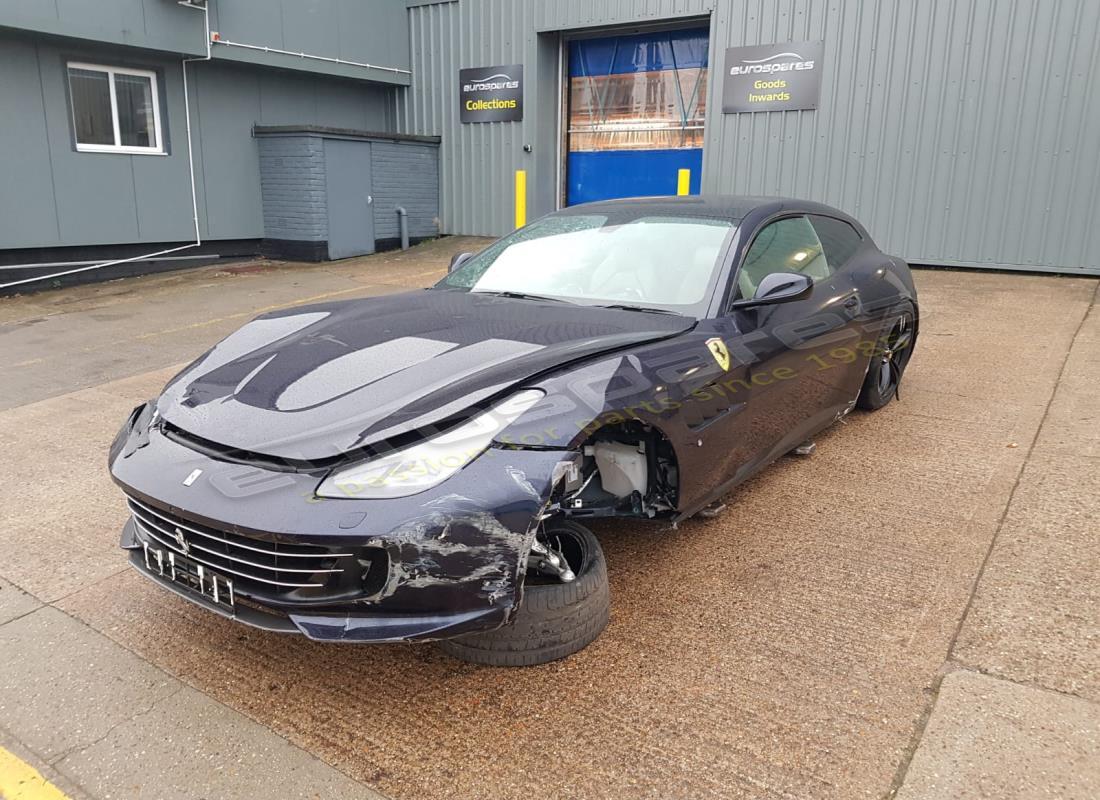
(892, 353)
(554, 620)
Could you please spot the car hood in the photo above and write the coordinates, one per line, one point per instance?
(317, 381)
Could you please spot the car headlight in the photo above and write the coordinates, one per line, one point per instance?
(427, 464)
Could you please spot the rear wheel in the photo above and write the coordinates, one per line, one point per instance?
(888, 362)
(556, 618)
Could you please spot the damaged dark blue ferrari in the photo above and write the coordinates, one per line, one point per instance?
(419, 466)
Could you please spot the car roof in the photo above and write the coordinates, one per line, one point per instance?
(728, 207)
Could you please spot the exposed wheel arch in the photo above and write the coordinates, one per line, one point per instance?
(632, 447)
(555, 619)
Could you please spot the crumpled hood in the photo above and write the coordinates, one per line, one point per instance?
(317, 381)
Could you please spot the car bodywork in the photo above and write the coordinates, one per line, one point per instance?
(222, 470)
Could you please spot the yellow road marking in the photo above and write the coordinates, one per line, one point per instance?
(20, 781)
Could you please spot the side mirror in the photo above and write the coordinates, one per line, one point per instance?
(458, 259)
(779, 287)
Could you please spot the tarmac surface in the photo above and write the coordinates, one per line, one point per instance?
(912, 609)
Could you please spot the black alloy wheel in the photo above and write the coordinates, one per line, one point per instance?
(891, 355)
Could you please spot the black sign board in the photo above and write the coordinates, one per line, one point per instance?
(772, 77)
(491, 94)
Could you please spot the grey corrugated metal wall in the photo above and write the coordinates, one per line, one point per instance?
(476, 161)
(962, 132)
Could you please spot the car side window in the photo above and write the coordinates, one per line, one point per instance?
(786, 245)
(840, 240)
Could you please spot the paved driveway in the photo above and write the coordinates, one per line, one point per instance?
(914, 605)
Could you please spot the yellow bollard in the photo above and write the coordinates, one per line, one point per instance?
(683, 182)
(521, 198)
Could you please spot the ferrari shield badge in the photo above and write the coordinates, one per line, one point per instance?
(718, 349)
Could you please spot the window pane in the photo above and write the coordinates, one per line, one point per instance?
(91, 106)
(788, 245)
(134, 94)
(839, 239)
(638, 92)
(638, 111)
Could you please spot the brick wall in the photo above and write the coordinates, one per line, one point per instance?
(292, 180)
(405, 174)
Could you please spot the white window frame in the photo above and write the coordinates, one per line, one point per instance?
(158, 149)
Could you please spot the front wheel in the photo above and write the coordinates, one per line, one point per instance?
(891, 354)
(556, 618)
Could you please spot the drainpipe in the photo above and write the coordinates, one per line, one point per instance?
(403, 223)
(267, 49)
(191, 171)
(187, 116)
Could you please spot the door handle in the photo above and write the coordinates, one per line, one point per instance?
(370, 199)
(852, 301)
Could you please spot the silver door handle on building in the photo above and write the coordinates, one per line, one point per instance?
(370, 199)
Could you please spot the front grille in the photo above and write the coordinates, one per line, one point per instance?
(274, 566)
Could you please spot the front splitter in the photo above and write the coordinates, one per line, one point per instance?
(341, 627)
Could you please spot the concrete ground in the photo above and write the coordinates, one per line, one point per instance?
(912, 610)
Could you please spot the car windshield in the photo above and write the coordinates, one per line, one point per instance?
(651, 263)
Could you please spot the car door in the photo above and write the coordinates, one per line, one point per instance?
(849, 356)
(797, 375)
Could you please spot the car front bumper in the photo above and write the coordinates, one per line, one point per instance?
(333, 626)
(438, 564)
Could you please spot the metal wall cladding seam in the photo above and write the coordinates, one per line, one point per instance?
(147, 24)
(366, 32)
(28, 213)
(959, 131)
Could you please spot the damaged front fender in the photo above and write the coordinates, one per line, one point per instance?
(466, 549)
